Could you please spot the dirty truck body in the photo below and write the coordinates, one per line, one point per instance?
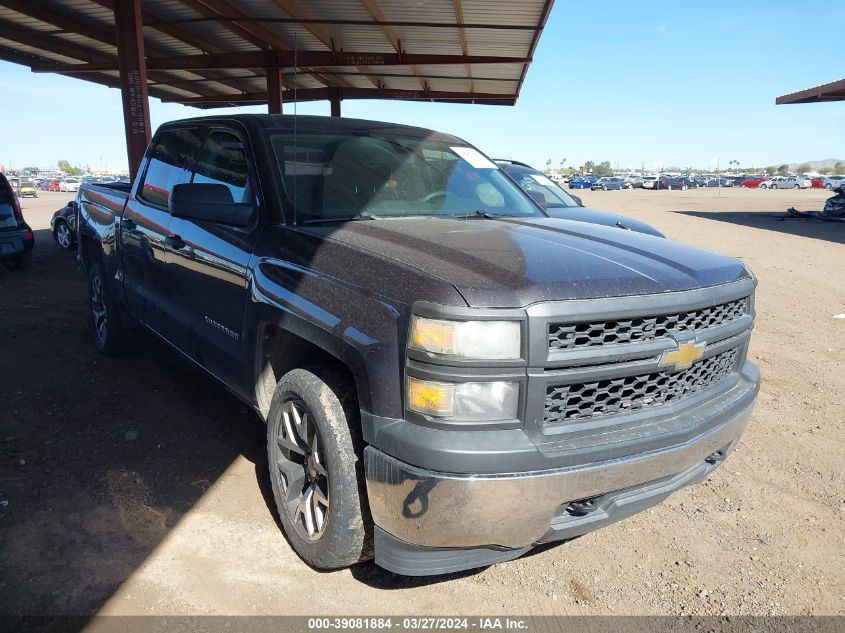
(449, 377)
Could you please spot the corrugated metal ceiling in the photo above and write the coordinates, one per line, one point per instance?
(39, 33)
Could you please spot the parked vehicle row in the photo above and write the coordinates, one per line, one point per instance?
(72, 183)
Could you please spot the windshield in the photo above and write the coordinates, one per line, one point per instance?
(345, 175)
(532, 180)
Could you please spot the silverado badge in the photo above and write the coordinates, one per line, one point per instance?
(684, 356)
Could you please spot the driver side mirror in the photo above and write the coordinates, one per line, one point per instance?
(539, 198)
(208, 202)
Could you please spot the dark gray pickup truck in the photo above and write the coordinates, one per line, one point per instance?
(449, 376)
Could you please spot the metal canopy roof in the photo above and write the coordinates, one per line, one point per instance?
(834, 91)
(210, 53)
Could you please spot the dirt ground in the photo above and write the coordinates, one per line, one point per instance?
(138, 486)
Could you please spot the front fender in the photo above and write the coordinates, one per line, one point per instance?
(363, 330)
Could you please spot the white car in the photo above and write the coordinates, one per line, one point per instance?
(833, 182)
(787, 182)
(69, 184)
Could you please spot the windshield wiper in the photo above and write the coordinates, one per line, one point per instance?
(475, 215)
(364, 215)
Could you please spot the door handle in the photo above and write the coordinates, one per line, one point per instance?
(129, 224)
(174, 241)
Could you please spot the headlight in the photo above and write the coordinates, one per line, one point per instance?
(485, 340)
(470, 401)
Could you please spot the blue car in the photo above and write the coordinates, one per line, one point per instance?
(582, 182)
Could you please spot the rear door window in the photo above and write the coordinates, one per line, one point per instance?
(223, 161)
(168, 164)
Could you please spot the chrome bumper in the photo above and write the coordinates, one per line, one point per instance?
(435, 509)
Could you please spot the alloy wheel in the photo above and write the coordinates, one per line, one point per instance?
(98, 309)
(63, 235)
(303, 477)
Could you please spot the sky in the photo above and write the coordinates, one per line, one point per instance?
(634, 83)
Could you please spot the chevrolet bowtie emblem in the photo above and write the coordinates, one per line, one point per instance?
(684, 356)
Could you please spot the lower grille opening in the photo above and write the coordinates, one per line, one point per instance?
(579, 401)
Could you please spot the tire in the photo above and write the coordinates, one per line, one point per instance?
(63, 235)
(20, 262)
(829, 187)
(604, 187)
(774, 187)
(683, 187)
(764, 186)
(797, 187)
(111, 336)
(313, 431)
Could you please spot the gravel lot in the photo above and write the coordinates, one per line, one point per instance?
(137, 486)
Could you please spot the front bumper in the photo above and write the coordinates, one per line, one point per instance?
(431, 522)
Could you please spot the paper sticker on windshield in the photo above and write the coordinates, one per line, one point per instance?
(474, 157)
(542, 180)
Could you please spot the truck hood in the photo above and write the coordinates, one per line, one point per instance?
(514, 262)
(594, 216)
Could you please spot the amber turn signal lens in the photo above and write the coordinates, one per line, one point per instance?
(430, 398)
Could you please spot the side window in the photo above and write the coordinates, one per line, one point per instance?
(223, 162)
(170, 157)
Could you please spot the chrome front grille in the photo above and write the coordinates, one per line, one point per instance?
(577, 401)
(563, 336)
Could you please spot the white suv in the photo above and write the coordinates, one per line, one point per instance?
(69, 184)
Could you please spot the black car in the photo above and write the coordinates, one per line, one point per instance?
(559, 203)
(675, 183)
(63, 225)
(16, 239)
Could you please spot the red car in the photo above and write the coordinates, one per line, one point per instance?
(818, 183)
(53, 185)
(753, 183)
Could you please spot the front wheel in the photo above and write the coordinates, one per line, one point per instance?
(797, 187)
(829, 187)
(63, 236)
(315, 471)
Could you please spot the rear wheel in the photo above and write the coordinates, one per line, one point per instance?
(797, 187)
(20, 262)
(111, 336)
(315, 471)
(774, 186)
(764, 186)
(829, 187)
